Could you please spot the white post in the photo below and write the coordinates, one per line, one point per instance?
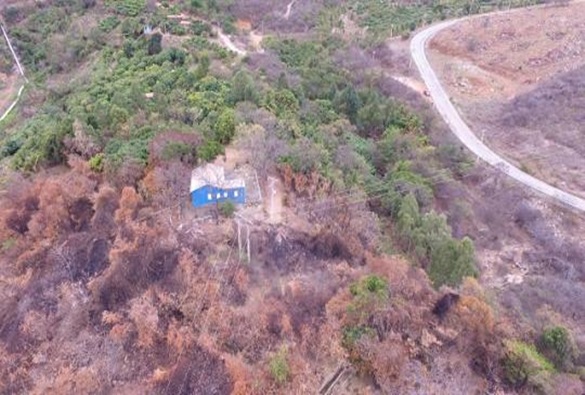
(248, 242)
(272, 193)
(239, 240)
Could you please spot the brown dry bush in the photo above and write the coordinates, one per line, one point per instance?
(248, 336)
(105, 205)
(167, 184)
(241, 374)
(198, 372)
(134, 266)
(383, 360)
(85, 253)
(19, 203)
(306, 301)
(146, 320)
(554, 105)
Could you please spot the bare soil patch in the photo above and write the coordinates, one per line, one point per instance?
(525, 47)
(517, 79)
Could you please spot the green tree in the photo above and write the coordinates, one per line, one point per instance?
(401, 181)
(371, 119)
(243, 87)
(283, 103)
(349, 103)
(408, 216)
(431, 235)
(203, 67)
(209, 150)
(451, 261)
(225, 126)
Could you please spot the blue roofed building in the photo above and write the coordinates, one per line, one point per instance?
(209, 185)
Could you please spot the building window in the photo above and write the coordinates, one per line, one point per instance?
(218, 195)
(225, 194)
(235, 193)
(209, 196)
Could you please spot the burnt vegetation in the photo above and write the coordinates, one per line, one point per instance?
(109, 284)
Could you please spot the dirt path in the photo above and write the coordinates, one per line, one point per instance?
(288, 9)
(274, 200)
(228, 43)
(413, 84)
(451, 116)
(223, 39)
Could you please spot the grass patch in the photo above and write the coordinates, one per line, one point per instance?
(523, 366)
(278, 366)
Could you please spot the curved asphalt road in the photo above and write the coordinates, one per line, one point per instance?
(462, 131)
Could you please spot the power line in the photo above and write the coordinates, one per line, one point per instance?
(435, 180)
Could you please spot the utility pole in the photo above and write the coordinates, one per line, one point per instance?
(272, 193)
(248, 242)
(239, 239)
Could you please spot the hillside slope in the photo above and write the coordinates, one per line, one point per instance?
(370, 263)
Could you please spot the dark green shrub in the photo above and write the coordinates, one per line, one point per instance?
(155, 44)
(108, 24)
(557, 344)
(369, 294)
(12, 14)
(96, 163)
(227, 209)
(177, 150)
(372, 284)
(127, 7)
(209, 150)
(524, 366)
(279, 368)
(351, 334)
(200, 28)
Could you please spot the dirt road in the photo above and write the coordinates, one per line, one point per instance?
(463, 132)
(228, 43)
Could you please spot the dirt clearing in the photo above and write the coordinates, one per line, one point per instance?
(517, 79)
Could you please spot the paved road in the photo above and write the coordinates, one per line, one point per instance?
(464, 133)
